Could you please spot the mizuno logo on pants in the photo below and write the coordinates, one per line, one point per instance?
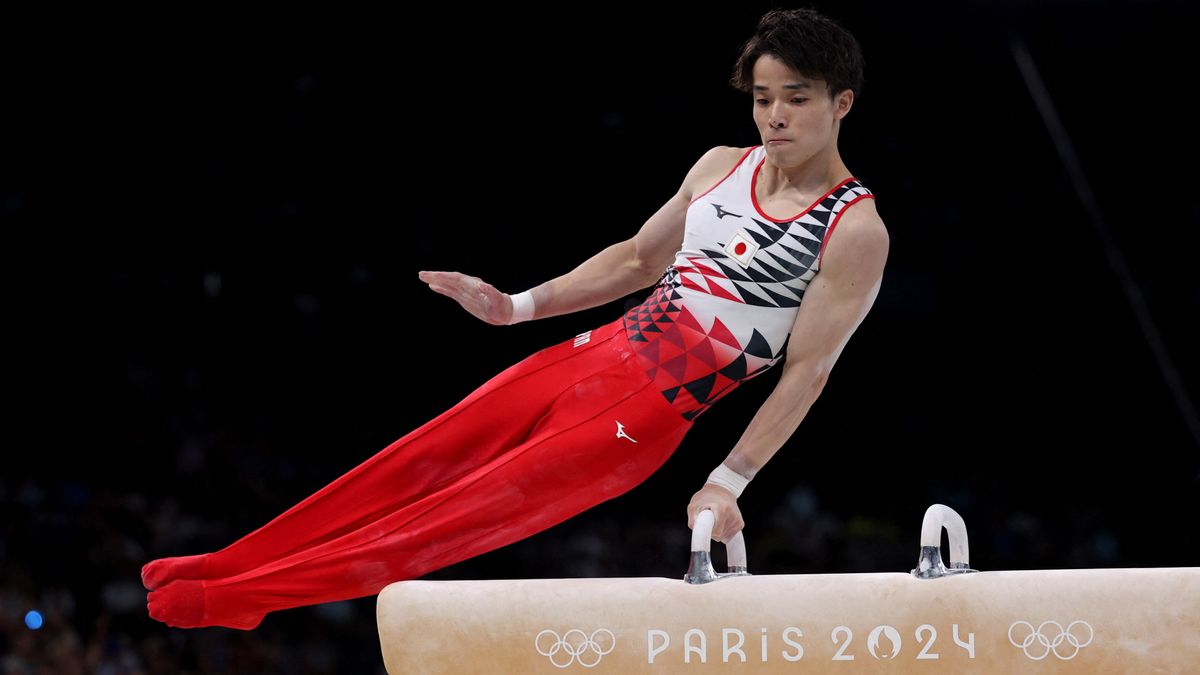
(621, 432)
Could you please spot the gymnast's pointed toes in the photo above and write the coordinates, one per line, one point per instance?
(179, 603)
(185, 603)
(152, 574)
(159, 573)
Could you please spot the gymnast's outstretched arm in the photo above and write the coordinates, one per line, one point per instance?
(613, 273)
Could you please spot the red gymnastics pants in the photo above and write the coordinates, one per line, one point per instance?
(567, 428)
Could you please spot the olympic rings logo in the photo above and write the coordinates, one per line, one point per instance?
(575, 645)
(1043, 642)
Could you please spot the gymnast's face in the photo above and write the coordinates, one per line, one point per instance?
(795, 108)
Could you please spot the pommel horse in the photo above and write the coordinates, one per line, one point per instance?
(934, 619)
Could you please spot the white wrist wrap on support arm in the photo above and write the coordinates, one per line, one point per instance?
(729, 479)
(522, 307)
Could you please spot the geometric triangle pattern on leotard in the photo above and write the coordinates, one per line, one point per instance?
(693, 365)
(785, 262)
(723, 311)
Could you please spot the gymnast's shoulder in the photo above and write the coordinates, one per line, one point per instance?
(712, 167)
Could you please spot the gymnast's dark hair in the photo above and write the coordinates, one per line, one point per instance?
(807, 41)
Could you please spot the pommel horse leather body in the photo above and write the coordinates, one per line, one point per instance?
(1119, 620)
(1041, 621)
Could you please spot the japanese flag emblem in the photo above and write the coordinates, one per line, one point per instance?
(741, 248)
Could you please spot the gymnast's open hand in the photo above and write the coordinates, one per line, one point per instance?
(475, 295)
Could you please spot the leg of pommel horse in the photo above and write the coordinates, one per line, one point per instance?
(932, 620)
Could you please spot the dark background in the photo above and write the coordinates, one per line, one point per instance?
(212, 231)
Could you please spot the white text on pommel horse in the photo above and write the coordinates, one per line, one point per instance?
(883, 643)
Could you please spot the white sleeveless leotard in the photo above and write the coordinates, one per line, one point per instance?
(722, 312)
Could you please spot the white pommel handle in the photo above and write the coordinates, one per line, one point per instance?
(702, 532)
(939, 516)
(700, 567)
(929, 562)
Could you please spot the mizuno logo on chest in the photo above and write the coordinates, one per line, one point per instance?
(721, 213)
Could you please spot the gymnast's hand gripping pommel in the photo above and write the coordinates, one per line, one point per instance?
(719, 495)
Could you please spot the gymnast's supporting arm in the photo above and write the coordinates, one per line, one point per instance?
(835, 303)
(613, 273)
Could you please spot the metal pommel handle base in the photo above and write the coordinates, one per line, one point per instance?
(929, 563)
(700, 568)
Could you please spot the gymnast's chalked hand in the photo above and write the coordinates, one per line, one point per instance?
(476, 296)
(727, 517)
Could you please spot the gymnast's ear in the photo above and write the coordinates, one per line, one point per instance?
(842, 103)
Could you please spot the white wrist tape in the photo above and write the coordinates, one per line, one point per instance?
(728, 479)
(522, 307)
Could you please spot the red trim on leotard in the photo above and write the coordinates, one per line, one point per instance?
(735, 166)
(832, 225)
(754, 197)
